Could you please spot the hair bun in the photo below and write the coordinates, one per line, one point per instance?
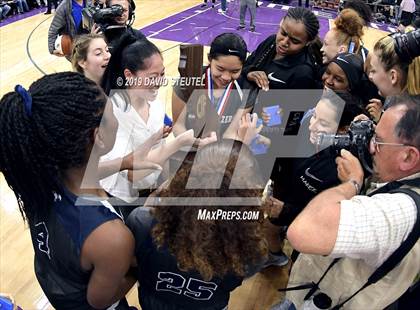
(349, 22)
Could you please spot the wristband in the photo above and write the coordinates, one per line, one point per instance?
(356, 186)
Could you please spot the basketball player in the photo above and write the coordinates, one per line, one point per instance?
(46, 143)
(227, 55)
(188, 263)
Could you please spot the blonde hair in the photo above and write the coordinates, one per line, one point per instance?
(80, 49)
(410, 81)
(348, 27)
(413, 76)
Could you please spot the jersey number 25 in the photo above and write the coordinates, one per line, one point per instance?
(195, 289)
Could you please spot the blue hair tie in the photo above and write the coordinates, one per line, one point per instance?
(167, 121)
(27, 99)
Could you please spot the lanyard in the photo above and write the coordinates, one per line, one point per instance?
(222, 103)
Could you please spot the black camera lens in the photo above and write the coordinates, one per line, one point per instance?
(338, 142)
(407, 45)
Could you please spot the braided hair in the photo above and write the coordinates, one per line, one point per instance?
(36, 146)
(311, 23)
(306, 17)
(309, 19)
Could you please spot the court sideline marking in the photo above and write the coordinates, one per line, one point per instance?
(182, 20)
(27, 46)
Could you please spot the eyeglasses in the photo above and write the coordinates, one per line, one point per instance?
(376, 144)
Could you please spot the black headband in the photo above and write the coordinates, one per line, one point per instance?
(352, 66)
(222, 50)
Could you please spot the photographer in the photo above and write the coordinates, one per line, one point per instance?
(67, 20)
(364, 230)
(122, 24)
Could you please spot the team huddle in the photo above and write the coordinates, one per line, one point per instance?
(117, 190)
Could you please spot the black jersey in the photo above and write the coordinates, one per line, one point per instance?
(163, 286)
(202, 113)
(297, 71)
(57, 238)
(298, 180)
(289, 76)
(291, 72)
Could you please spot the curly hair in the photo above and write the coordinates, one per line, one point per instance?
(37, 147)
(349, 28)
(213, 247)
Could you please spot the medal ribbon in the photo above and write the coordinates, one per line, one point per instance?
(221, 104)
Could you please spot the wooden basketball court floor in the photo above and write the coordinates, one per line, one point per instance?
(20, 58)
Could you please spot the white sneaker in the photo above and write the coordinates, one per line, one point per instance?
(221, 11)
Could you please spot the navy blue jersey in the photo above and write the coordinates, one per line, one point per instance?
(163, 286)
(58, 238)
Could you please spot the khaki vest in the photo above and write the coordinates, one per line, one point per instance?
(349, 275)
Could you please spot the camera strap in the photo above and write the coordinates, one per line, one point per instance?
(394, 259)
(312, 286)
(391, 186)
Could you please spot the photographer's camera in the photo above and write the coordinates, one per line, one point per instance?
(103, 17)
(356, 140)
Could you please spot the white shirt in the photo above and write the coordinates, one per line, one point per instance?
(408, 6)
(372, 228)
(132, 132)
